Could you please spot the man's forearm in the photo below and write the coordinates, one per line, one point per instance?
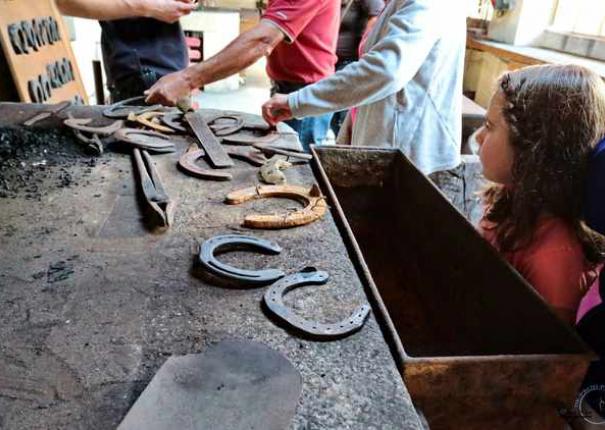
(244, 51)
(102, 9)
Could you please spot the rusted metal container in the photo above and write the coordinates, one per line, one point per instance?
(477, 347)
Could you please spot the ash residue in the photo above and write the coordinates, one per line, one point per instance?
(32, 161)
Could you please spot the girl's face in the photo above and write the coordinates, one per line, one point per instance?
(495, 150)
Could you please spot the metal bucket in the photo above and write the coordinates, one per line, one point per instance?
(476, 345)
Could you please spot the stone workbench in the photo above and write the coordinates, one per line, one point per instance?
(92, 303)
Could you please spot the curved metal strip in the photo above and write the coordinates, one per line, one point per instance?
(224, 129)
(273, 298)
(145, 139)
(174, 121)
(243, 137)
(81, 125)
(123, 108)
(187, 162)
(256, 277)
(151, 120)
(249, 155)
(315, 205)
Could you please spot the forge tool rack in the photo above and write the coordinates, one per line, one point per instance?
(475, 344)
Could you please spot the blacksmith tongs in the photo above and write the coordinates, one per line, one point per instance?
(155, 194)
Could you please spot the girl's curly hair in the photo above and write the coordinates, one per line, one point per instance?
(556, 115)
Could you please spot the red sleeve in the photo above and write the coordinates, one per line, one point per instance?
(558, 275)
(292, 16)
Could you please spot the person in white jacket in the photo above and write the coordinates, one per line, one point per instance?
(407, 85)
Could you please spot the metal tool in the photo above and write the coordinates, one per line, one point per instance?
(145, 139)
(93, 143)
(47, 113)
(188, 164)
(273, 299)
(253, 277)
(315, 205)
(123, 108)
(276, 150)
(234, 385)
(81, 124)
(216, 153)
(151, 184)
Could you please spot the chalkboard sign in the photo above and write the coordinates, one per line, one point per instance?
(37, 50)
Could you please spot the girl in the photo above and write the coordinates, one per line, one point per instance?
(541, 127)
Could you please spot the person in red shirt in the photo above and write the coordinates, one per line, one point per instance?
(542, 125)
(299, 37)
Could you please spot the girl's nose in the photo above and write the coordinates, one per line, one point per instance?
(480, 135)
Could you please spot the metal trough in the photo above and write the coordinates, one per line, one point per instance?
(477, 347)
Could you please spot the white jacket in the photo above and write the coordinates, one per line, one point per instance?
(408, 83)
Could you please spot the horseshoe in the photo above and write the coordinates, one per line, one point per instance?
(242, 138)
(226, 129)
(251, 156)
(315, 205)
(81, 125)
(174, 121)
(123, 108)
(187, 163)
(273, 299)
(145, 139)
(252, 277)
(146, 119)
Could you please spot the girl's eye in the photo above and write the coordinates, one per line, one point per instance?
(487, 125)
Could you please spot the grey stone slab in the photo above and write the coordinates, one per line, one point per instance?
(235, 385)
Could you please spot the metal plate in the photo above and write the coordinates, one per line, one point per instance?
(215, 152)
(235, 385)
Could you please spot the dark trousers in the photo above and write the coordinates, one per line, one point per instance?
(133, 85)
(339, 117)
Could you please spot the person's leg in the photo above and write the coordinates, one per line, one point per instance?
(311, 130)
(337, 120)
(133, 86)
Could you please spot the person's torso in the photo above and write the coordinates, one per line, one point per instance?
(552, 237)
(352, 27)
(133, 45)
(424, 119)
(312, 55)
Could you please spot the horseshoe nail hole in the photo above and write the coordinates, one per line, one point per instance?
(351, 322)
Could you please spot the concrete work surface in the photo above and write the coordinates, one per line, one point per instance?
(92, 303)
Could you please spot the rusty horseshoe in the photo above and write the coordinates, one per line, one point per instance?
(315, 205)
(273, 299)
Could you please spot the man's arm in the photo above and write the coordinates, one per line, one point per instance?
(381, 72)
(162, 10)
(244, 51)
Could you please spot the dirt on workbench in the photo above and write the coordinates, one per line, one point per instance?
(37, 160)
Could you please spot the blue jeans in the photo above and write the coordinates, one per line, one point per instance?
(311, 130)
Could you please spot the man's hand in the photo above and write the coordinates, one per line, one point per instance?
(167, 10)
(170, 89)
(105, 10)
(277, 109)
